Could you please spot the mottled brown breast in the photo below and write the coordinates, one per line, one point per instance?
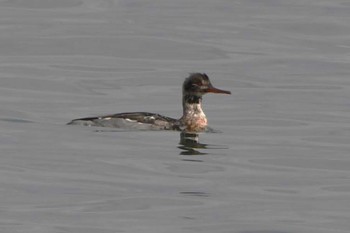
(195, 124)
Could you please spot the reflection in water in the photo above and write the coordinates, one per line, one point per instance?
(190, 144)
(195, 194)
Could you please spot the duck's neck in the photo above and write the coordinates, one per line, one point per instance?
(192, 105)
(193, 119)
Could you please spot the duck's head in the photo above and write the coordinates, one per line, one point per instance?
(198, 84)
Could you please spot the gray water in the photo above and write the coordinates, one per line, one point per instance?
(280, 164)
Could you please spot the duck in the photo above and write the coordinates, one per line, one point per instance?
(193, 118)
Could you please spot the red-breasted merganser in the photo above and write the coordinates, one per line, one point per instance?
(192, 120)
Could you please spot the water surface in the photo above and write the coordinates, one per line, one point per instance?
(279, 165)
